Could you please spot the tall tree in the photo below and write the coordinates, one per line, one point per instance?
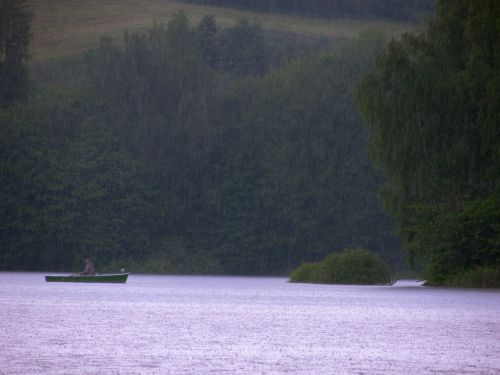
(242, 49)
(432, 107)
(15, 22)
(207, 38)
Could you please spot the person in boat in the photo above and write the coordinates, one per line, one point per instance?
(89, 268)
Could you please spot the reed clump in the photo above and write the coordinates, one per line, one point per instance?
(479, 277)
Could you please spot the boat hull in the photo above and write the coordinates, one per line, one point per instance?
(113, 278)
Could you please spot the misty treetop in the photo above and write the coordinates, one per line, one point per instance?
(179, 151)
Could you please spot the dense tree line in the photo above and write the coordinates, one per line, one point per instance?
(432, 107)
(193, 149)
(402, 10)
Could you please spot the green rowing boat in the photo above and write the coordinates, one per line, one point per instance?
(110, 278)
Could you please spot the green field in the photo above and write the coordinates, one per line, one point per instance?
(66, 28)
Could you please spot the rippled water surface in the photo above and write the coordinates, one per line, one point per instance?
(233, 325)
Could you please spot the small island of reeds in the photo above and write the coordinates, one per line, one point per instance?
(350, 266)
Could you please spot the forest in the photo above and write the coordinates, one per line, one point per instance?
(193, 148)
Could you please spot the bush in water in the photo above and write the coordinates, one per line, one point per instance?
(351, 266)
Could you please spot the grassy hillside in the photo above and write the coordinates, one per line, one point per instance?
(65, 28)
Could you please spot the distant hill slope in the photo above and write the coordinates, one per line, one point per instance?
(400, 10)
(69, 27)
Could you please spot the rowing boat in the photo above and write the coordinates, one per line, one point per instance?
(107, 278)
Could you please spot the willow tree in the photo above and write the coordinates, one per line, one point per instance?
(432, 107)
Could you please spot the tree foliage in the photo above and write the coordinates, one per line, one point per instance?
(163, 158)
(350, 266)
(68, 188)
(15, 21)
(434, 129)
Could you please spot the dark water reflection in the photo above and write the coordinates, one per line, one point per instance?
(233, 325)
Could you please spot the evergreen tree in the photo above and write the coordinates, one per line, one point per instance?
(207, 37)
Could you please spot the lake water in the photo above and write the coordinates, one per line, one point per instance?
(242, 325)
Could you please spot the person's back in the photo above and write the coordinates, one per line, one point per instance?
(89, 268)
